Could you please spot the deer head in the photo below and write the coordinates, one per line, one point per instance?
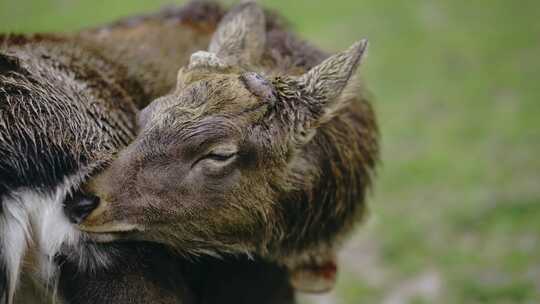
(227, 161)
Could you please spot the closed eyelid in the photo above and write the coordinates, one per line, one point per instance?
(197, 148)
(229, 148)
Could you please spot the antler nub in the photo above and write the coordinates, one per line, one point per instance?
(206, 59)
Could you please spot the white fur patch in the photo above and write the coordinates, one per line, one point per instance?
(35, 219)
(14, 227)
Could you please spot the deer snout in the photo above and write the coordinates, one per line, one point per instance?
(92, 214)
(104, 216)
(101, 220)
(117, 209)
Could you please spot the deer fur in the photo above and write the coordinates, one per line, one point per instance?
(68, 104)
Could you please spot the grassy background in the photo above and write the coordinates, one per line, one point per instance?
(456, 209)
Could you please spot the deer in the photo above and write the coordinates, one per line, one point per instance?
(267, 147)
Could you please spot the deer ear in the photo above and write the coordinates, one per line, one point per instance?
(241, 35)
(324, 84)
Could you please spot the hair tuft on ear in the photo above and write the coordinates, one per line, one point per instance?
(324, 84)
(328, 79)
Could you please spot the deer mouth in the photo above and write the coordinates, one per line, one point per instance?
(110, 232)
(110, 228)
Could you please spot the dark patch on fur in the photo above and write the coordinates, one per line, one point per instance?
(8, 64)
(231, 280)
(243, 281)
(135, 268)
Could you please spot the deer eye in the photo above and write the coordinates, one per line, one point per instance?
(219, 157)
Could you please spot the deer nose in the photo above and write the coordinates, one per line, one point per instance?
(79, 205)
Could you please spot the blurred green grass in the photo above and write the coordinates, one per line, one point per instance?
(456, 209)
